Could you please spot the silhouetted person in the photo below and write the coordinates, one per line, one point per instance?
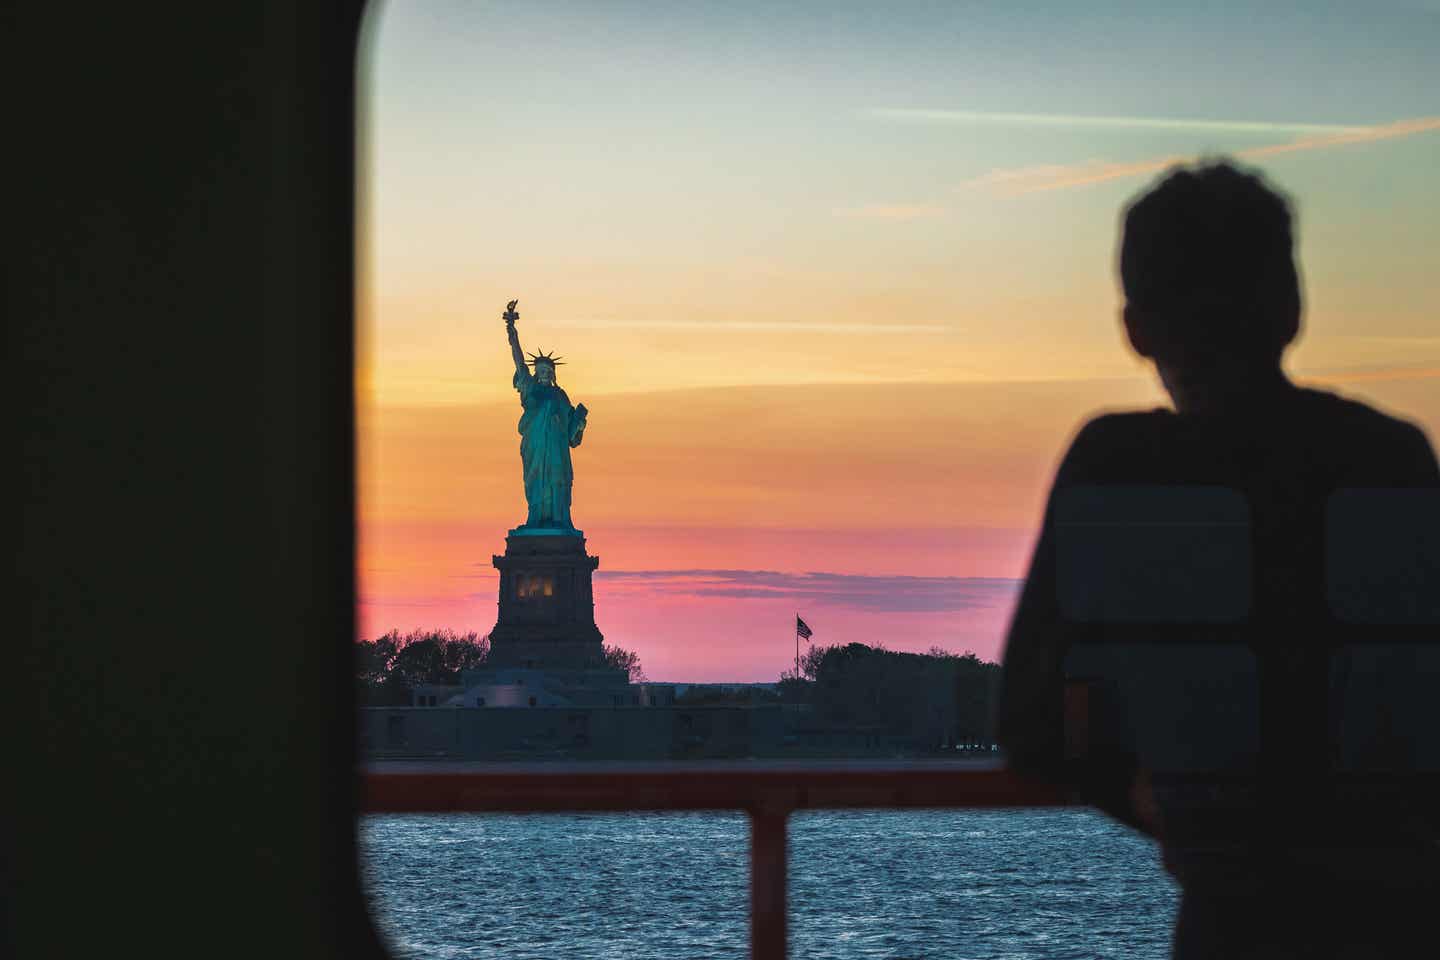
(1273, 858)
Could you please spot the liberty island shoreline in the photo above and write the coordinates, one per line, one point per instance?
(837, 765)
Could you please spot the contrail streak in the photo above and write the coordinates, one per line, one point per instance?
(1081, 176)
(1363, 376)
(1113, 123)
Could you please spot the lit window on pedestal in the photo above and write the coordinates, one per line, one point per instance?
(534, 585)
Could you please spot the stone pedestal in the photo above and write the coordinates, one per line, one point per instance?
(547, 607)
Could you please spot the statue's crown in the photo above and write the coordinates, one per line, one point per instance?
(543, 357)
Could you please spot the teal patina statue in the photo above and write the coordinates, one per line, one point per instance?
(549, 427)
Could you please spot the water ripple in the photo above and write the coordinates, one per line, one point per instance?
(967, 884)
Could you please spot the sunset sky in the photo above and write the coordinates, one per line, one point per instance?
(836, 283)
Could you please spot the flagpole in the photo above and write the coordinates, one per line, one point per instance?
(797, 645)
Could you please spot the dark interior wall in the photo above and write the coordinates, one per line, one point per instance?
(178, 777)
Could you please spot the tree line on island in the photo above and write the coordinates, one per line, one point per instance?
(389, 667)
(852, 685)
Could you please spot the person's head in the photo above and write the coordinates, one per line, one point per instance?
(1208, 270)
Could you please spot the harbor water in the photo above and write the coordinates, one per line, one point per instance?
(1051, 883)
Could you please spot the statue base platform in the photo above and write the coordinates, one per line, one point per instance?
(546, 606)
(525, 531)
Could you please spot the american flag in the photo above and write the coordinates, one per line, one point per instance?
(802, 628)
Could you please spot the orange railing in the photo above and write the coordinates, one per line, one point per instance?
(767, 792)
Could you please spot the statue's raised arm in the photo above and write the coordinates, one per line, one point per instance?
(510, 317)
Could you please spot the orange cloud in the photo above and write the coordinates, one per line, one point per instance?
(896, 487)
(1368, 376)
(919, 480)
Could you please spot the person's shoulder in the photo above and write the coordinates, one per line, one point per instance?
(1122, 425)
(1107, 436)
(1338, 412)
(1375, 438)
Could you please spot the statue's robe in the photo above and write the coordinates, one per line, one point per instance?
(549, 427)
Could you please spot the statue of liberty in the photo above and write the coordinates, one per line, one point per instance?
(549, 427)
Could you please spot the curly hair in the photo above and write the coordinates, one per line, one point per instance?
(1207, 261)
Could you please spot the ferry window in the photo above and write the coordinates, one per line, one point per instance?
(733, 351)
